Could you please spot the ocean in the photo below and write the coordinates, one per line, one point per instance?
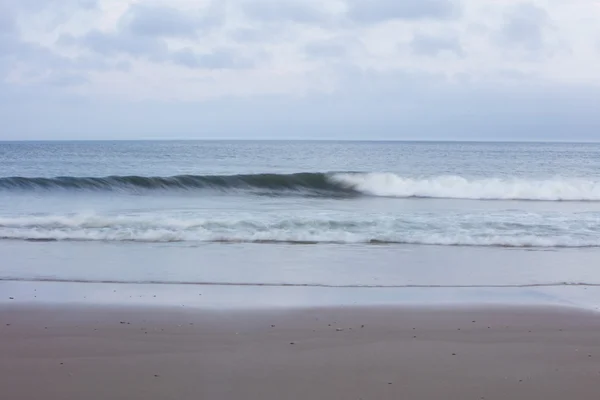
(353, 214)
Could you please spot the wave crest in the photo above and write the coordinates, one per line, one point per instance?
(316, 183)
(458, 187)
(331, 185)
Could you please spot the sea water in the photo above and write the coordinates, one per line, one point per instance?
(316, 213)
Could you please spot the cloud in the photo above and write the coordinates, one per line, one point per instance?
(143, 20)
(220, 59)
(7, 22)
(327, 49)
(155, 50)
(442, 112)
(37, 60)
(119, 43)
(252, 35)
(524, 26)
(36, 6)
(334, 49)
(88, 4)
(299, 11)
(24, 64)
(375, 11)
(65, 79)
(311, 67)
(433, 45)
(141, 32)
(51, 13)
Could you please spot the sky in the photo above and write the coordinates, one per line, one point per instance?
(300, 69)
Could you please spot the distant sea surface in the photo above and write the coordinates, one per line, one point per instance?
(334, 213)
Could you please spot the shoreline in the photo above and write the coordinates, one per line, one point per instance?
(156, 352)
(254, 297)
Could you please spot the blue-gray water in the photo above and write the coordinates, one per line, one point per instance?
(336, 213)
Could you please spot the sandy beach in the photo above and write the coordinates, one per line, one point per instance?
(101, 352)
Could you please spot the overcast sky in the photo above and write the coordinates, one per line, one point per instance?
(301, 69)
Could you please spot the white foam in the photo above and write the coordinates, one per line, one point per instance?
(483, 229)
(457, 187)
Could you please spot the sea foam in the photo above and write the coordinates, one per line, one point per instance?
(475, 229)
(457, 187)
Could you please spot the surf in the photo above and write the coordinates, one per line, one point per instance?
(520, 230)
(327, 185)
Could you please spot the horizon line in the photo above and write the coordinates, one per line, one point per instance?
(304, 140)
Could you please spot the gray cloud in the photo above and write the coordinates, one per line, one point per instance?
(277, 11)
(61, 10)
(36, 64)
(326, 49)
(65, 79)
(40, 61)
(7, 23)
(154, 49)
(524, 27)
(250, 35)
(88, 4)
(220, 59)
(437, 112)
(430, 45)
(159, 22)
(374, 11)
(119, 43)
(141, 32)
(42, 69)
(524, 104)
(264, 33)
(34, 6)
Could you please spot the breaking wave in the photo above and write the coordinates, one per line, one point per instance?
(459, 230)
(457, 187)
(330, 185)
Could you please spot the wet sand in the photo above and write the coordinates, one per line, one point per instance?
(99, 352)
